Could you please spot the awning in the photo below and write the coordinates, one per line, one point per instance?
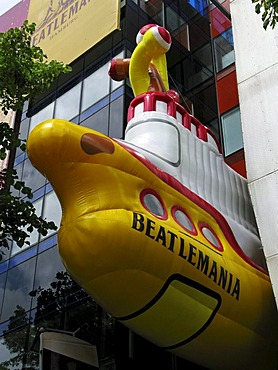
(69, 346)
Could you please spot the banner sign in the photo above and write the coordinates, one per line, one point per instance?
(65, 29)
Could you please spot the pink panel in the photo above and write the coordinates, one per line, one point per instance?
(15, 16)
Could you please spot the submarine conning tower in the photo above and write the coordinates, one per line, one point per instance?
(176, 142)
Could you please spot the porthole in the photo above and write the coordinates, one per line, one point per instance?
(153, 203)
(183, 219)
(211, 236)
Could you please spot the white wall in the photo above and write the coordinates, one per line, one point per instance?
(256, 52)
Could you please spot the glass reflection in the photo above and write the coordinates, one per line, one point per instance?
(232, 132)
(95, 87)
(224, 50)
(34, 235)
(2, 287)
(52, 210)
(45, 269)
(42, 115)
(98, 121)
(7, 357)
(116, 84)
(19, 284)
(116, 118)
(67, 105)
(155, 10)
(13, 345)
(32, 178)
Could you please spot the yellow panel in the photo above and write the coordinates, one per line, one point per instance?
(67, 29)
(182, 311)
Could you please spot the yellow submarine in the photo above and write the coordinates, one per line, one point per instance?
(157, 228)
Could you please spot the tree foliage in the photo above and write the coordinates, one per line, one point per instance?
(64, 305)
(269, 11)
(24, 73)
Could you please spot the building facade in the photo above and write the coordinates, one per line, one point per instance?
(35, 290)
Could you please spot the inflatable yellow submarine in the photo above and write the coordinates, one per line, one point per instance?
(157, 228)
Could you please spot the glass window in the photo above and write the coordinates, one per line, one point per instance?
(204, 57)
(19, 284)
(205, 103)
(7, 354)
(43, 115)
(52, 210)
(177, 27)
(199, 5)
(5, 254)
(34, 235)
(231, 131)
(224, 50)
(67, 105)
(198, 67)
(23, 256)
(116, 118)
(13, 345)
(2, 287)
(116, 84)
(45, 271)
(155, 10)
(98, 121)
(214, 127)
(19, 170)
(24, 127)
(95, 87)
(32, 177)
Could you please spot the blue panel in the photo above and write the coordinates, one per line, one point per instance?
(23, 256)
(3, 266)
(199, 5)
(117, 93)
(94, 108)
(48, 188)
(48, 243)
(38, 194)
(19, 158)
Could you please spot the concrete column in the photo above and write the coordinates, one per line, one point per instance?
(256, 52)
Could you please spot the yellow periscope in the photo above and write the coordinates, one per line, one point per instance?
(205, 303)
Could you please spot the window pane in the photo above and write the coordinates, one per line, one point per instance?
(177, 27)
(32, 177)
(34, 236)
(19, 284)
(52, 210)
(198, 67)
(42, 115)
(231, 129)
(2, 286)
(19, 170)
(45, 271)
(116, 84)
(224, 50)
(67, 105)
(199, 5)
(155, 11)
(98, 121)
(116, 118)
(8, 352)
(95, 87)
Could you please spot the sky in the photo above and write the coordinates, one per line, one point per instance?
(7, 4)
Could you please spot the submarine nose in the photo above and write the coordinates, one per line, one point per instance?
(57, 141)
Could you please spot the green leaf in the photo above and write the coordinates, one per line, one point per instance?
(24, 73)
